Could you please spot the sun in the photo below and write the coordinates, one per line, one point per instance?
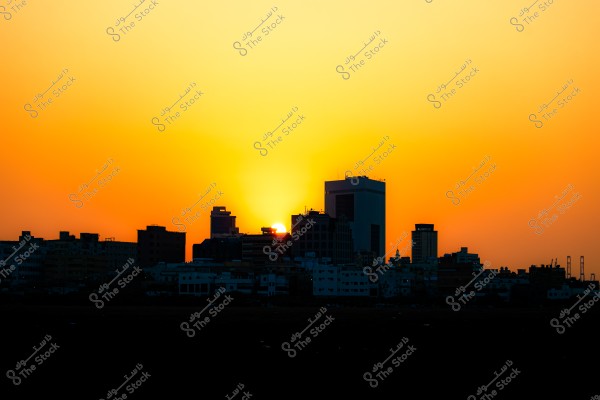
(280, 227)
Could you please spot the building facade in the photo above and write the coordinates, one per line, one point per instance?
(156, 244)
(362, 202)
(425, 244)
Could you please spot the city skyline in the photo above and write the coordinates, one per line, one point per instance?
(390, 250)
(423, 152)
(299, 199)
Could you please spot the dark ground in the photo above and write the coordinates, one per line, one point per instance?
(456, 352)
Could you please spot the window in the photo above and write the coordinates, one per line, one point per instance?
(375, 238)
(344, 205)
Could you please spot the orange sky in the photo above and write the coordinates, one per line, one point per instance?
(110, 92)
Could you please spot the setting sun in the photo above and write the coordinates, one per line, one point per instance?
(280, 227)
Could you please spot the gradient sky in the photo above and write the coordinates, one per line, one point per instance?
(105, 117)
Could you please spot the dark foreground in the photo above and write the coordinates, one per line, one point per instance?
(452, 353)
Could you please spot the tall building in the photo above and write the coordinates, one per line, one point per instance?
(424, 244)
(362, 203)
(222, 223)
(325, 236)
(156, 244)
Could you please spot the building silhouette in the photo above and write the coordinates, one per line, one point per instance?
(29, 269)
(337, 253)
(71, 263)
(463, 257)
(222, 223)
(327, 238)
(362, 202)
(425, 244)
(457, 269)
(225, 248)
(63, 265)
(156, 244)
(271, 264)
(266, 247)
(117, 253)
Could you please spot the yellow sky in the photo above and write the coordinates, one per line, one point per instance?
(114, 90)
